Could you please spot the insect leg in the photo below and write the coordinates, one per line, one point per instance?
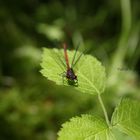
(63, 75)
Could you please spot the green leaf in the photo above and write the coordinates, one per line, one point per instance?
(87, 127)
(90, 73)
(121, 136)
(127, 117)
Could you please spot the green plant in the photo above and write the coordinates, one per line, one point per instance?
(92, 80)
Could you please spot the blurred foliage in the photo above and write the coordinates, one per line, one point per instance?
(31, 107)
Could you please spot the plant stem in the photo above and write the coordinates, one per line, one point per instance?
(104, 110)
(122, 48)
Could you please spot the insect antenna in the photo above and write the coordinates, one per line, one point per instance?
(79, 57)
(75, 54)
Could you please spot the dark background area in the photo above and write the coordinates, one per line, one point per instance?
(33, 108)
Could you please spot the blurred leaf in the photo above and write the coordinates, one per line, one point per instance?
(51, 31)
(29, 51)
(90, 72)
(126, 117)
(86, 127)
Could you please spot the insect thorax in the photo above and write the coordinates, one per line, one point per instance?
(71, 75)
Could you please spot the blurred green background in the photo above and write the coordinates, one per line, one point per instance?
(33, 108)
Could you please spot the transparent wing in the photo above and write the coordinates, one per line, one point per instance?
(57, 53)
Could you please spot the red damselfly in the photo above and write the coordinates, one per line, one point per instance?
(69, 74)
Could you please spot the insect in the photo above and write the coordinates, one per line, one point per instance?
(69, 73)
